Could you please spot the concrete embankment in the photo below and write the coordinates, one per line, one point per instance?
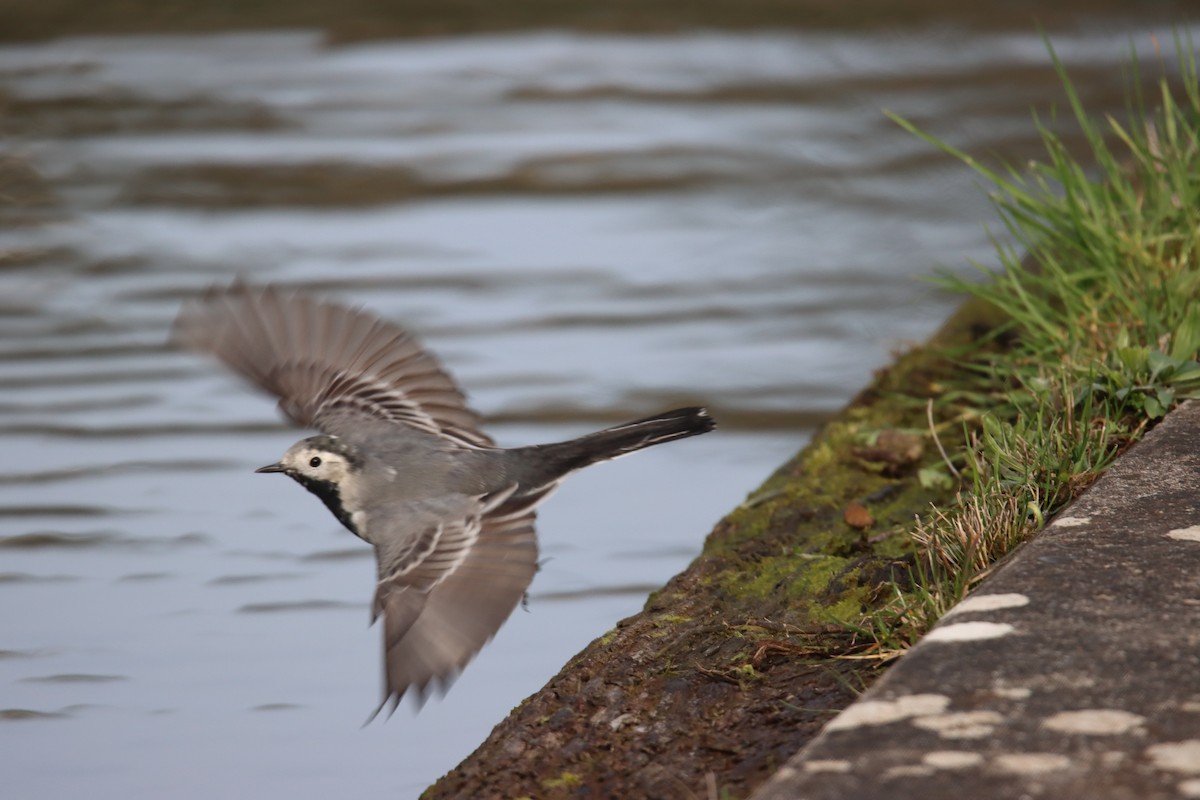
(1072, 672)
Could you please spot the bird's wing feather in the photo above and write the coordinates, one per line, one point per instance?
(329, 365)
(445, 596)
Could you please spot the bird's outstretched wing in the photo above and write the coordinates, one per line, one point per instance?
(447, 591)
(329, 365)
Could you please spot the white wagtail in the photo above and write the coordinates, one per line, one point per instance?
(402, 463)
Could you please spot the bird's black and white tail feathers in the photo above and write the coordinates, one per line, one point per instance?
(610, 443)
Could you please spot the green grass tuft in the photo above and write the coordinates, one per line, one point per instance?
(1099, 282)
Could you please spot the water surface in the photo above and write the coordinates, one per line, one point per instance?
(586, 229)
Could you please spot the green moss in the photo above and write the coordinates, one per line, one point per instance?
(746, 671)
(567, 780)
(850, 607)
(800, 575)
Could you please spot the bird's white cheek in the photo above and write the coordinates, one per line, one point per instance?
(359, 519)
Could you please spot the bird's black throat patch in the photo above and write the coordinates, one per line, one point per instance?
(330, 496)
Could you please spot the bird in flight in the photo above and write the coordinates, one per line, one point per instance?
(401, 461)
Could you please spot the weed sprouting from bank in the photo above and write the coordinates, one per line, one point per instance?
(1099, 280)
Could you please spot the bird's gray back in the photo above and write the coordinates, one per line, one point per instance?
(401, 466)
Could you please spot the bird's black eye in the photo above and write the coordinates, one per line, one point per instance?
(315, 461)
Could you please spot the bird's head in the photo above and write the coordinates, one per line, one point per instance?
(326, 466)
(317, 459)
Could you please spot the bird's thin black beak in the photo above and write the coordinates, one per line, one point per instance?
(270, 468)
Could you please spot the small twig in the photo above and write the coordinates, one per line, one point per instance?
(769, 646)
(717, 674)
(881, 657)
(758, 499)
(937, 441)
(790, 630)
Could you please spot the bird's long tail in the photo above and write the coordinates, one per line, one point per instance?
(620, 440)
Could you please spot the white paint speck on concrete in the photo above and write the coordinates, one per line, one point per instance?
(969, 632)
(784, 773)
(907, 771)
(1031, 763)
(1012, 692)
(1176, 756)
(882, 712)
(962, 724)
(1191, 534)
(1070, 522)
(827, 765)
(952, 759)
(1094, 721)
(989, 602)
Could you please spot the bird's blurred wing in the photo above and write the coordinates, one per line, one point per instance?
(329, 365)
(444, 596)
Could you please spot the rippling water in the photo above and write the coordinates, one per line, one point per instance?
(586, 229)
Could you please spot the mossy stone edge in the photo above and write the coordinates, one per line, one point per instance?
(739, 660)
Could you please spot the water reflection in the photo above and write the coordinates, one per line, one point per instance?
(587, 229)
